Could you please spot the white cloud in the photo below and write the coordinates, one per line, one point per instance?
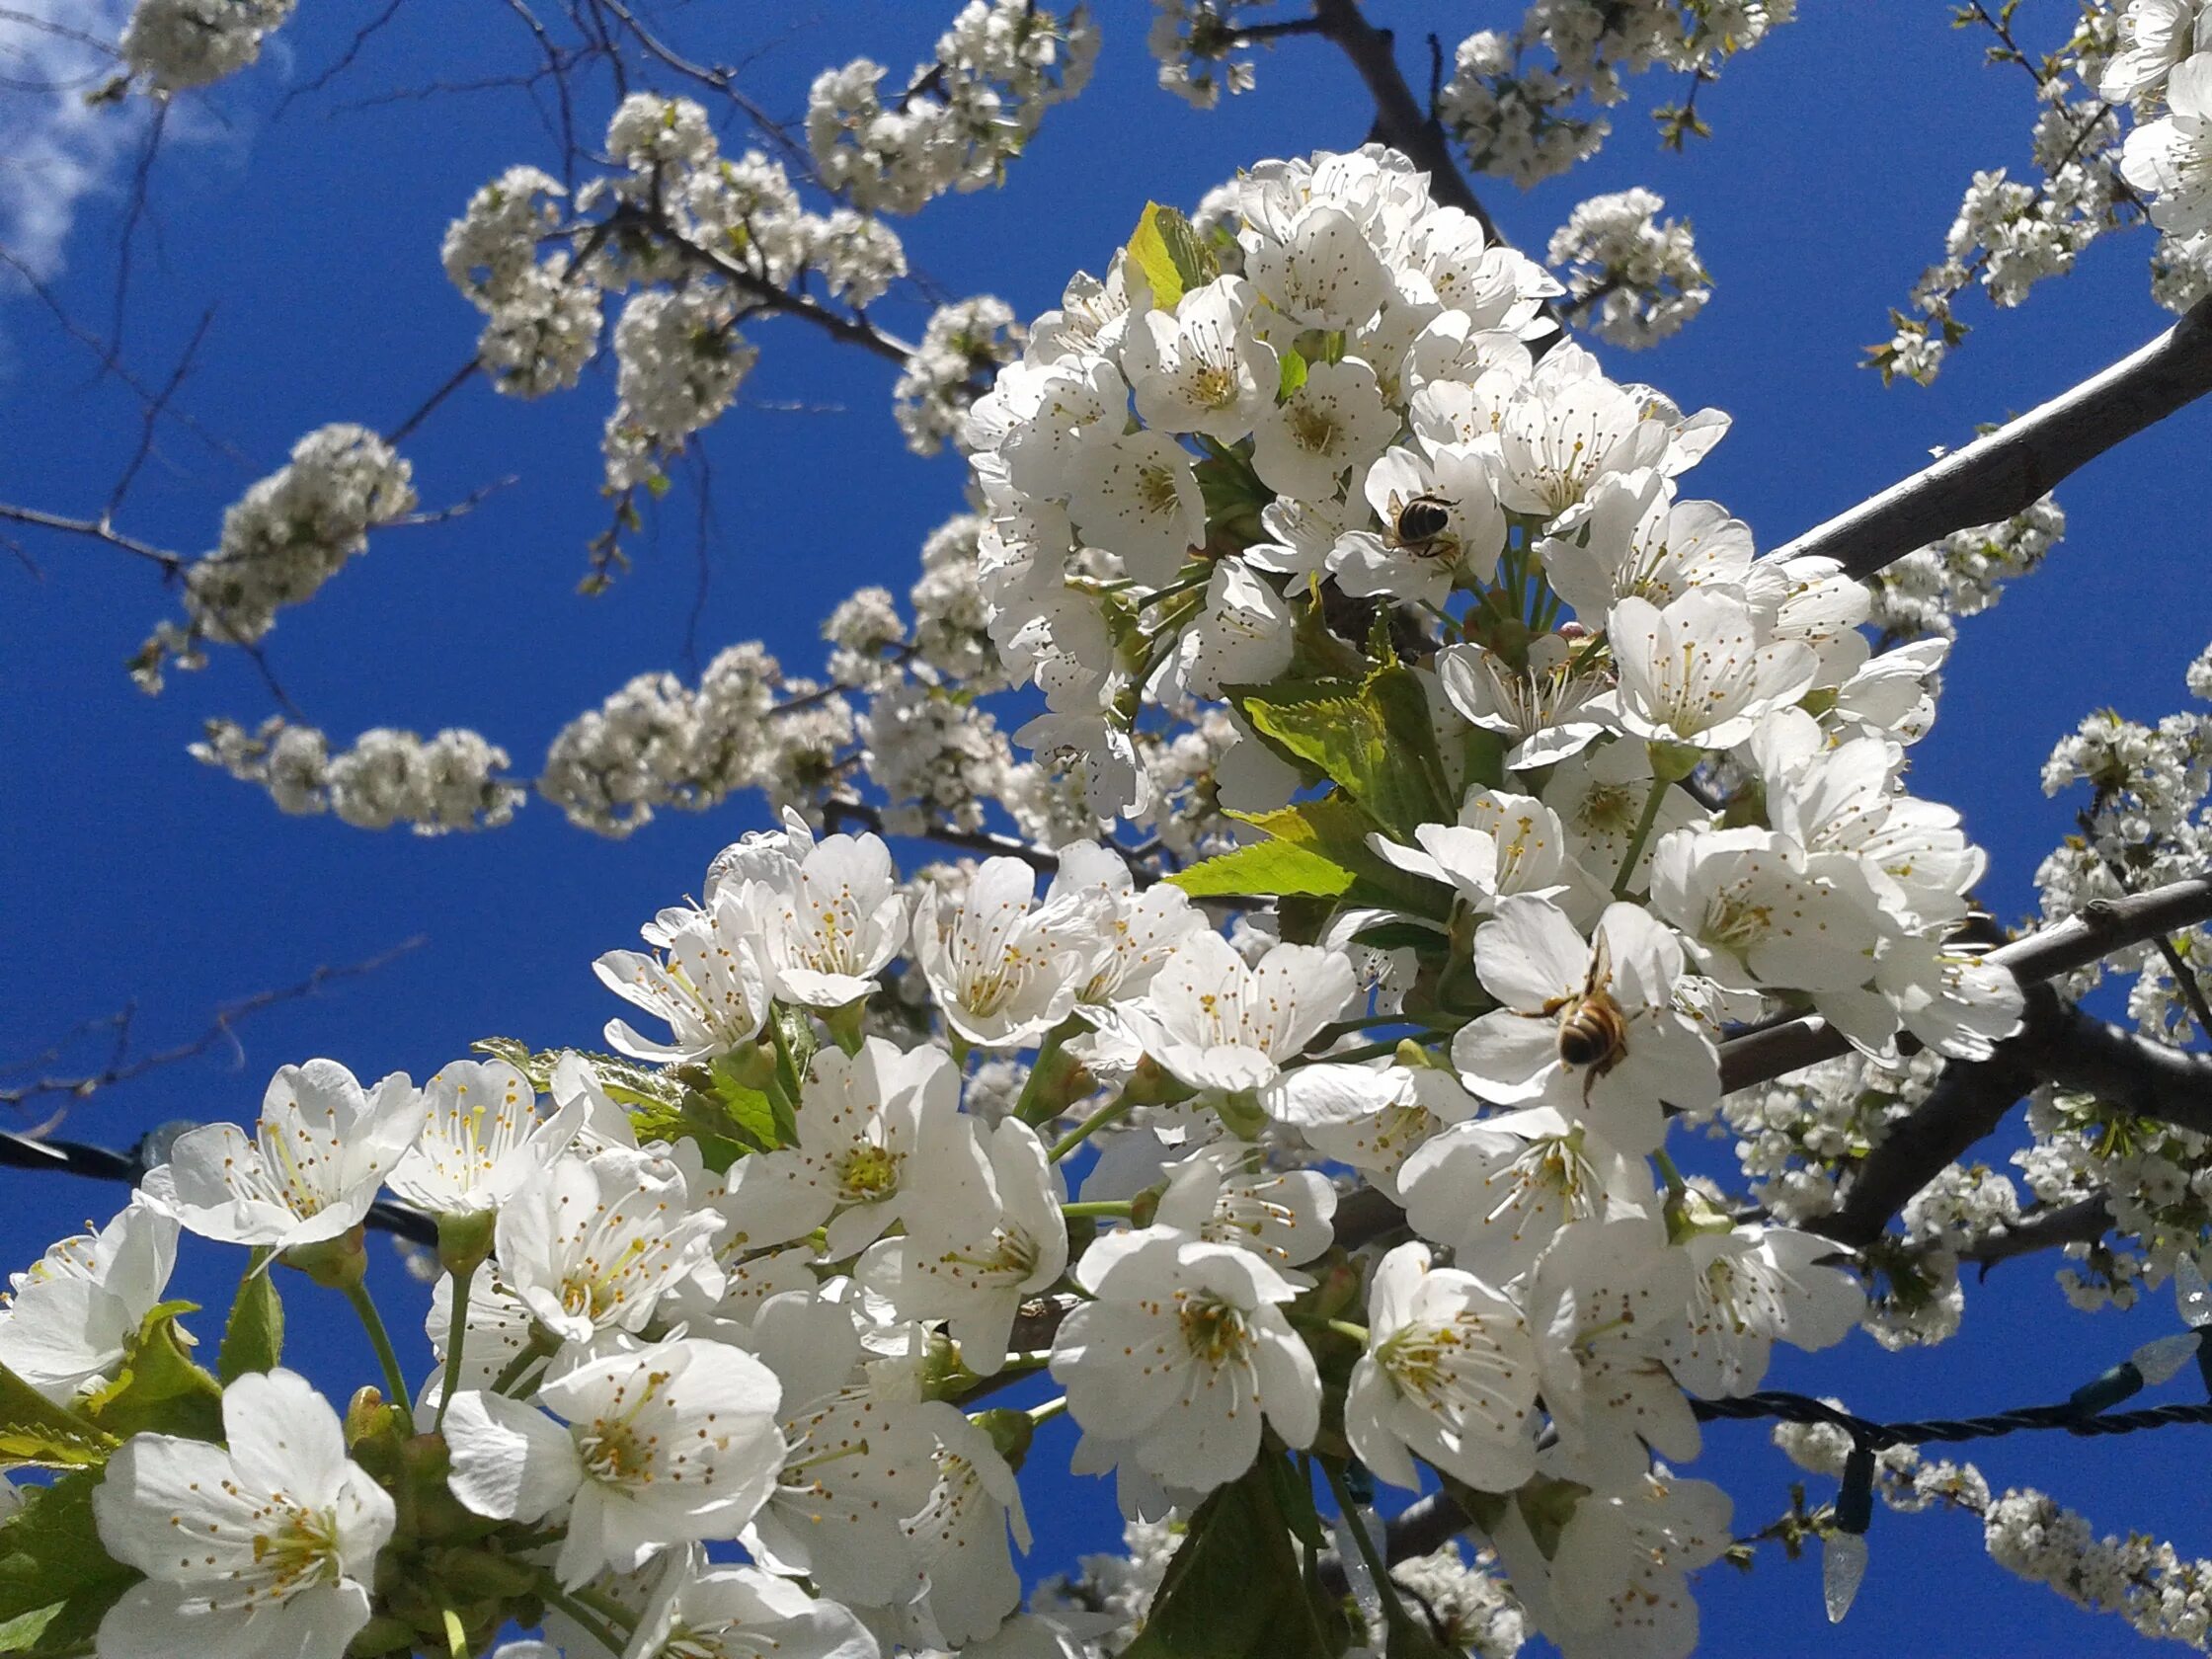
(56, 150)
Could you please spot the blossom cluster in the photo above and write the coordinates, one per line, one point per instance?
(1631, 278)
(1309, 516)
(1525, 105)
(178, 44)
(2121, 136)
(960, 117)
(291, 533)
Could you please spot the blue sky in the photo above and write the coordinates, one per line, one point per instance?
(134, 874)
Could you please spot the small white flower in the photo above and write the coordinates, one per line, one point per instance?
(973, 1265)
(319, 1152)
(265, 1548)
(1548, 709)
(1141, 926)
(1138, 498)
(1226, 1194)
(483, 1140)
(1751, 1288)
(1449, 1376)
(711, 979)
(1755, 916)
(833, 924)
(1441, 521)
(1317, 267)
(1590, 1028)
(958, 1540)
(74, 1312)
(1004, 970)
(1334, 422)
(1183, 1353)
(1217, 1025)
(1242, 636)
(655, 1447)
(1598, 1303)
(2172, 159)
(1201, 368)
(1696, 672)
(592, 1243)
(862, 1118)
(700, 1611)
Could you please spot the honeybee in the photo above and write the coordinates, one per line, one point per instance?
(1421, 527)
(1593, 1031)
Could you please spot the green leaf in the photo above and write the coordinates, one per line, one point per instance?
(1293, 376)
(159, 1389)
(56, 1579)
(1337, 827)
(38, 1434)
(1234, 1590)
(1264, 869)
(253, 1335)
(1373, 739)
(1169, 254)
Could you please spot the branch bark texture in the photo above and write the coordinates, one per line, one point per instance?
(2009, 470)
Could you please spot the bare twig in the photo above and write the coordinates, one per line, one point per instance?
(2083, 1221)
(153, 412)
(121, 1067)
(2012, 468)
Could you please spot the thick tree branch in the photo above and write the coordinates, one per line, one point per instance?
(2011, 469)
(2083, 1221)
(1400, 119)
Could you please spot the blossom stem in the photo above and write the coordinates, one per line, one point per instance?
(1042, 1071)
(554, 1596)
(1096, 1209)
(456, 1334)
(395, 1380)
(540, 1347)
(1038, 1415)
(1112, 1112)
(1652, 801)
(1345, 1327)
(606, 1606)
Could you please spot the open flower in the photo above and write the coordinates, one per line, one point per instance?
(320, 1151)
(1182, 1353)
(711, 980)
(264, 1549)
(74, 1310)
(1006, 970)
(1334, 422)
(1201, 368)
(700, 1611)
(1751, 1288)
(832, 923)
(1696, 672)
(592, 1245)
(973, 1265)
(1591, 1028)
(657, 1447)
(483, 1139)
(861, 1120)
(1449, 1376)
(1217, 1024)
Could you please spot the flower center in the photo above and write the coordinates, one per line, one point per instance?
(868, 1173)
(1214, 1331)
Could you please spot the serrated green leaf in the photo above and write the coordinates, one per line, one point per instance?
(56, 1579)
(254, 1334)
(35, 1433)
(1168, 253)
(1233, 1589)
(159, 1389)
(1264, 869)
(1373, 739)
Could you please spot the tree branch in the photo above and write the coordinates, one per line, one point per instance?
(1400, 119)
(2009, 470)
(2083, 1221)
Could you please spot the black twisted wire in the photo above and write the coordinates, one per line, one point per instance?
(1803, 1408)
